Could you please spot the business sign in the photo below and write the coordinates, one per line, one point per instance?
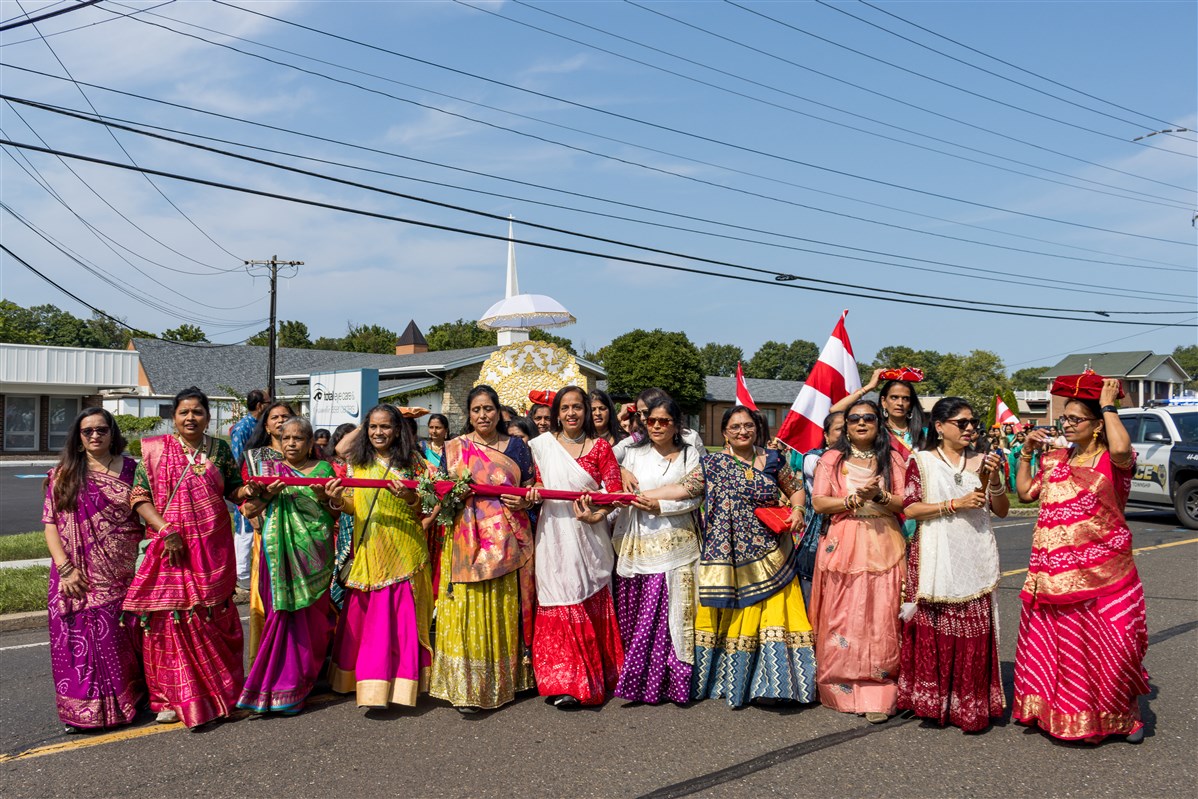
(338, 397)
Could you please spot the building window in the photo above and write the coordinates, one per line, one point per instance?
(63, 411)
(20, 423)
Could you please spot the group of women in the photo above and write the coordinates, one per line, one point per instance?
(747, 574)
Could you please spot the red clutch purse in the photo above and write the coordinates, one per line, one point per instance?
(1087, 386)
(906, 373)
(776, 518)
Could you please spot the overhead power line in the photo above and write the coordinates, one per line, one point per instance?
(945, 236)
(103, 21)
(669, 129)
(840, 10)
(498, 217)
(1014, 66)
(104, 314)
(1070, 285)
(938, 81)
(31, 20)
(840, 126)
(942, 303)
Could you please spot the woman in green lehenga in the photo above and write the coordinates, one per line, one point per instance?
(296, 567)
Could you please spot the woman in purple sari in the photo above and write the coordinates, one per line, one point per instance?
(92, 534)
(294, 573)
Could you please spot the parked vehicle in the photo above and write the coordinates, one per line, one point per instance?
(1164, 434)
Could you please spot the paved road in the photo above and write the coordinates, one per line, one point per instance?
(529, 749)
(21, 498)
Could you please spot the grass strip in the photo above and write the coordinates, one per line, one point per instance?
(23, 589)
(23, 546)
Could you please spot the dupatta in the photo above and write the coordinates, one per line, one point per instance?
(389, 543)
(958, 556)
(297, 536)
(1081, 546)
(489, 539)
(574, 559)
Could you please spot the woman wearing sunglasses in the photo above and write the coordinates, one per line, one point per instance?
(949, 664)
(859, 569)
(1082, 631)
(92, 534)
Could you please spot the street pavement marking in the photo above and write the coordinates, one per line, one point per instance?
(321, 699)
(23, 646)
(136, 732)
(1013, 572)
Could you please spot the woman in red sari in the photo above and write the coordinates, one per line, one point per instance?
(1082, 632)
(184, 584)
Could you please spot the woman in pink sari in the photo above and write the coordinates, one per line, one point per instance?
(92, 534)
(182, 593)
(1082, 632)
(859, 569)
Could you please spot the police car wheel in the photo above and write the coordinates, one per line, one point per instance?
(1185, 503)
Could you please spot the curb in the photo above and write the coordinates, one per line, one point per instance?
(38, 619)
(1023, 512)
(14, 622)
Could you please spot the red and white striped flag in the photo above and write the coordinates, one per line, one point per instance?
(743, 397)
(832, 378)
(1003, 414)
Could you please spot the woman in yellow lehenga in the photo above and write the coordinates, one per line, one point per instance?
(485, 599)
(753, 642)
(382, 648)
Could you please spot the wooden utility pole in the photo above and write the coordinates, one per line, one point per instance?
(274, 263)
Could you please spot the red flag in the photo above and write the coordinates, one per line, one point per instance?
(743, 397)
(1003, 414)
(833, 377)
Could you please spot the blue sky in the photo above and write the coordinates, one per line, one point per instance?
(686, 154)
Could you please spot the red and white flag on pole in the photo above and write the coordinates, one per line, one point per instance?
(832, 378)
(1003, 414)
(743, 397)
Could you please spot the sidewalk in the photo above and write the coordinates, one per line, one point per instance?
(20, 564)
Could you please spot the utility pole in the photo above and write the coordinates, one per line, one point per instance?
(274, 263)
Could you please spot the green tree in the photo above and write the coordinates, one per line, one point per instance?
(977, 377)
(777, 361)
(107, 333)
(16, 324)
(720, 360)
(327, 343)
(1187, 357)
(52, 326)
(1029, 378)
(369, 338)
(290, 334)
(190, 333)
(640, 359)
(540, 335)
(930, 361)
(460, 335)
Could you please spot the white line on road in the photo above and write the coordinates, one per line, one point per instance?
(23, 646)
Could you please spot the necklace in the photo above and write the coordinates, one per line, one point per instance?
(865, 455)
(479, 440)
(194, 455)
(1077, 458)
(748, 463)
(581, 438)
(957, 475)
(107, 464)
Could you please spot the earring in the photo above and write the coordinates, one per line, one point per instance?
(1095, 436)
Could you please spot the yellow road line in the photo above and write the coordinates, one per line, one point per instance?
(1013, 572)
(131, 734)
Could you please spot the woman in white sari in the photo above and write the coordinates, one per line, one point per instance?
(576, 650)
(657, 542)
(949, 669)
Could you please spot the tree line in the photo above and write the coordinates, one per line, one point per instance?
(633, 361)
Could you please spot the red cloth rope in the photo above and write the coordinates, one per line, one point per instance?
(445, 486)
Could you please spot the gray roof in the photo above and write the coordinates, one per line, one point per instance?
(773, 392)
(1139, 363)
(172, 367)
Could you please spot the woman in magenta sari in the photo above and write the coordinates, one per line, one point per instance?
(487, 592)
(182, 592)
(92, 534)
(294, 574)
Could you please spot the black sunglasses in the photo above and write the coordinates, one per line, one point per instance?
(961, 424)
(862, 417)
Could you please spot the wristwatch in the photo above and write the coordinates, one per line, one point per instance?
(1108, 409)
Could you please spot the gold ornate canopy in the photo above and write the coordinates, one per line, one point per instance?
(515, 369)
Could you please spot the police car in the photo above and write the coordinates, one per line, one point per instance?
(1164, 434)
